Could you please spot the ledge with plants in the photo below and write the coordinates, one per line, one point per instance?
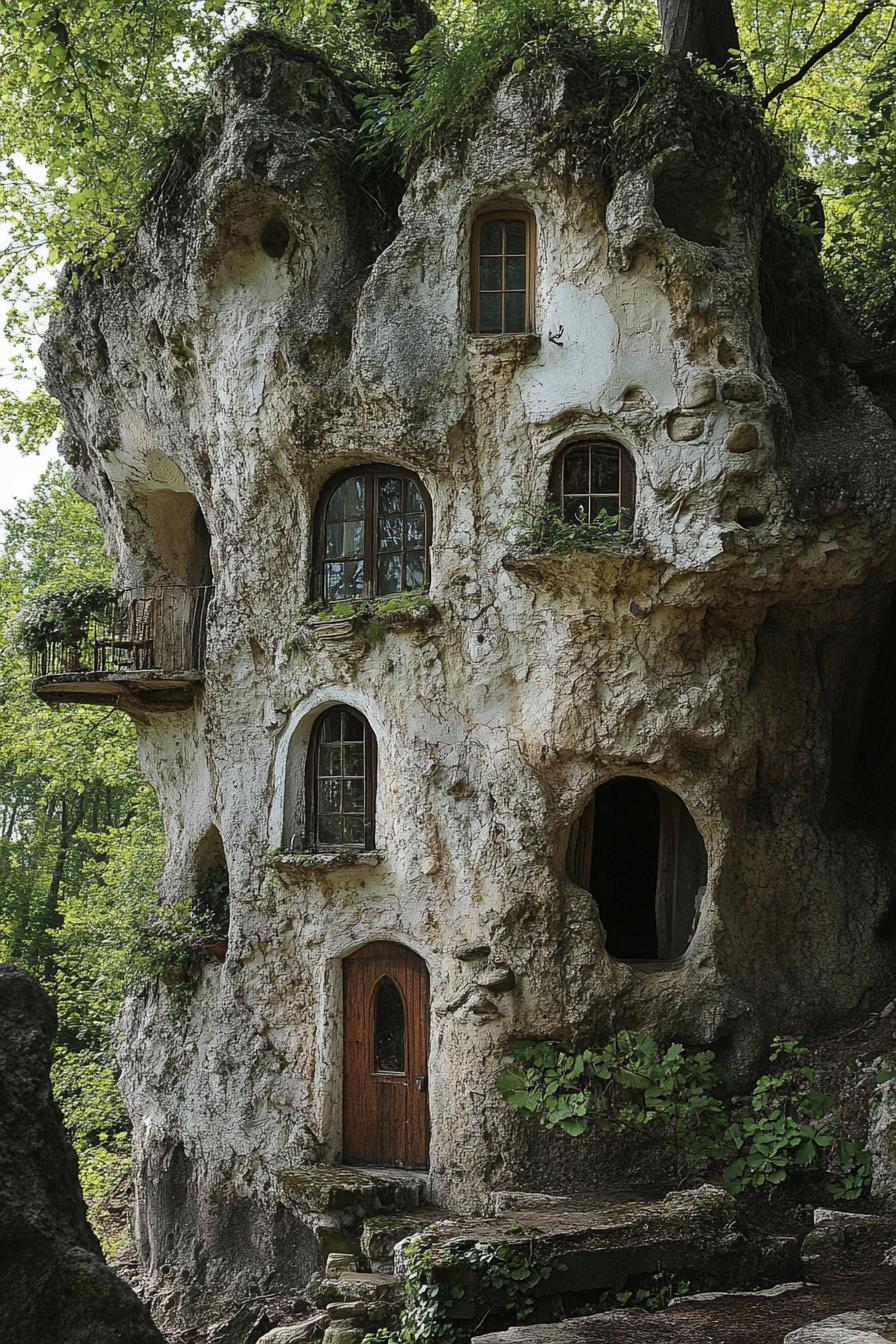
(296, 862)
(367, 621)
(177, 940)
(547, 548)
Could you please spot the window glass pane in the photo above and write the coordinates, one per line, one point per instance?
(388, 1029)
(336, 503)
(489, 312)
(515, 236)
(490, 273)
(491, 238)
(389, 533)
(575, 509)
(414, 500)
(333, 582)
(390, 494)
(329, 796)
(575, 473)
(331, 726)
(413, 530)
(353, 758)
(352, 579)
(353, 830)
(347, 500)
(515, 312)
(604, 469)
(330, 758)
(515, 273)
(353, 795)
(388, 574)
(414, 569)
(352, 727)
(329, 830)
(607, 503)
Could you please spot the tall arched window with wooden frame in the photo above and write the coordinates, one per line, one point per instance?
(372, 535)
(341, 782)
(592, 477)
(503, 271)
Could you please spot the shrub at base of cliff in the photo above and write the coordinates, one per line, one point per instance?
(756, 1141)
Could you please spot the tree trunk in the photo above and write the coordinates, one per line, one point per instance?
(702, 28)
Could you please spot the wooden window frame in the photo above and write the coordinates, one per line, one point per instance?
(490, 216)
(312, 784)
(372, 473)
(627, 493)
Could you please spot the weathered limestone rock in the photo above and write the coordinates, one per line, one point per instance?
(849, 1327)
(55, 1287)
(312, 1328)
(599, 1245)
(275, 321)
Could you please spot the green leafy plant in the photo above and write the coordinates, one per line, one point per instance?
(495, 1282)
(655, 1296)
(757, 1140)
(541, 529)
(172, 945)
(63, 614)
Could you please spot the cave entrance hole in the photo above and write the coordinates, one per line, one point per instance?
(638, 851)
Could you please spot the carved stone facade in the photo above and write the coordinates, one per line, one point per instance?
(273, 325)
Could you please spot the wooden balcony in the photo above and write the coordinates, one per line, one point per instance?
(143, 653)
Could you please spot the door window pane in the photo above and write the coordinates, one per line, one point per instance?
(491, 238)
(390, 494)
(489, 313)
(389, 575)
(515, 236)
(388, 1028)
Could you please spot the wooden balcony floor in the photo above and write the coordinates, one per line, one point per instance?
(140, 692)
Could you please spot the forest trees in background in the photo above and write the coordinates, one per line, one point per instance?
(80, 834)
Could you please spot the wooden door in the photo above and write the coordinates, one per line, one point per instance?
(385, 1113)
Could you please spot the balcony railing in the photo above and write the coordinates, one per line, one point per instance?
(158, 630)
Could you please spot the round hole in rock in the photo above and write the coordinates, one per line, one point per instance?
(691, 205)
(638, 851)
(274, 237)
(750, 517)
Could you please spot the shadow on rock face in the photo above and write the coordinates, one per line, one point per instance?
(55, 1287)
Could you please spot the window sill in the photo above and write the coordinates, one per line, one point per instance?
(372, 619)
(293, 865)
(509, 347)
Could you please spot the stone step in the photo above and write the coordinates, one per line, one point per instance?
(353, 1191)
(383, 1233)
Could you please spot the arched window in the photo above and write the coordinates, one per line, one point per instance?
(503, 277)
(594, 476)
(373, 535)
(341, 784)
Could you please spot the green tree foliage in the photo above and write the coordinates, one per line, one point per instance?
(80, 835)
(92, 91)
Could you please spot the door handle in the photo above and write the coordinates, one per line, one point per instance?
(420, 1082)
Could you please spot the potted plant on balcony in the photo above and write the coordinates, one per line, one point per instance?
(62, 617)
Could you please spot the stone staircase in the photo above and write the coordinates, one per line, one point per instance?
(358, 1217)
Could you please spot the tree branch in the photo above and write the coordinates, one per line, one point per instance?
(822, 51)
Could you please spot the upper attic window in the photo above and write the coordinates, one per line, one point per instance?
(594, 477)
(373, 535)
(503, 272)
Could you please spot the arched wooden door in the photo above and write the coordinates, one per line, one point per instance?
(385, 1113)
